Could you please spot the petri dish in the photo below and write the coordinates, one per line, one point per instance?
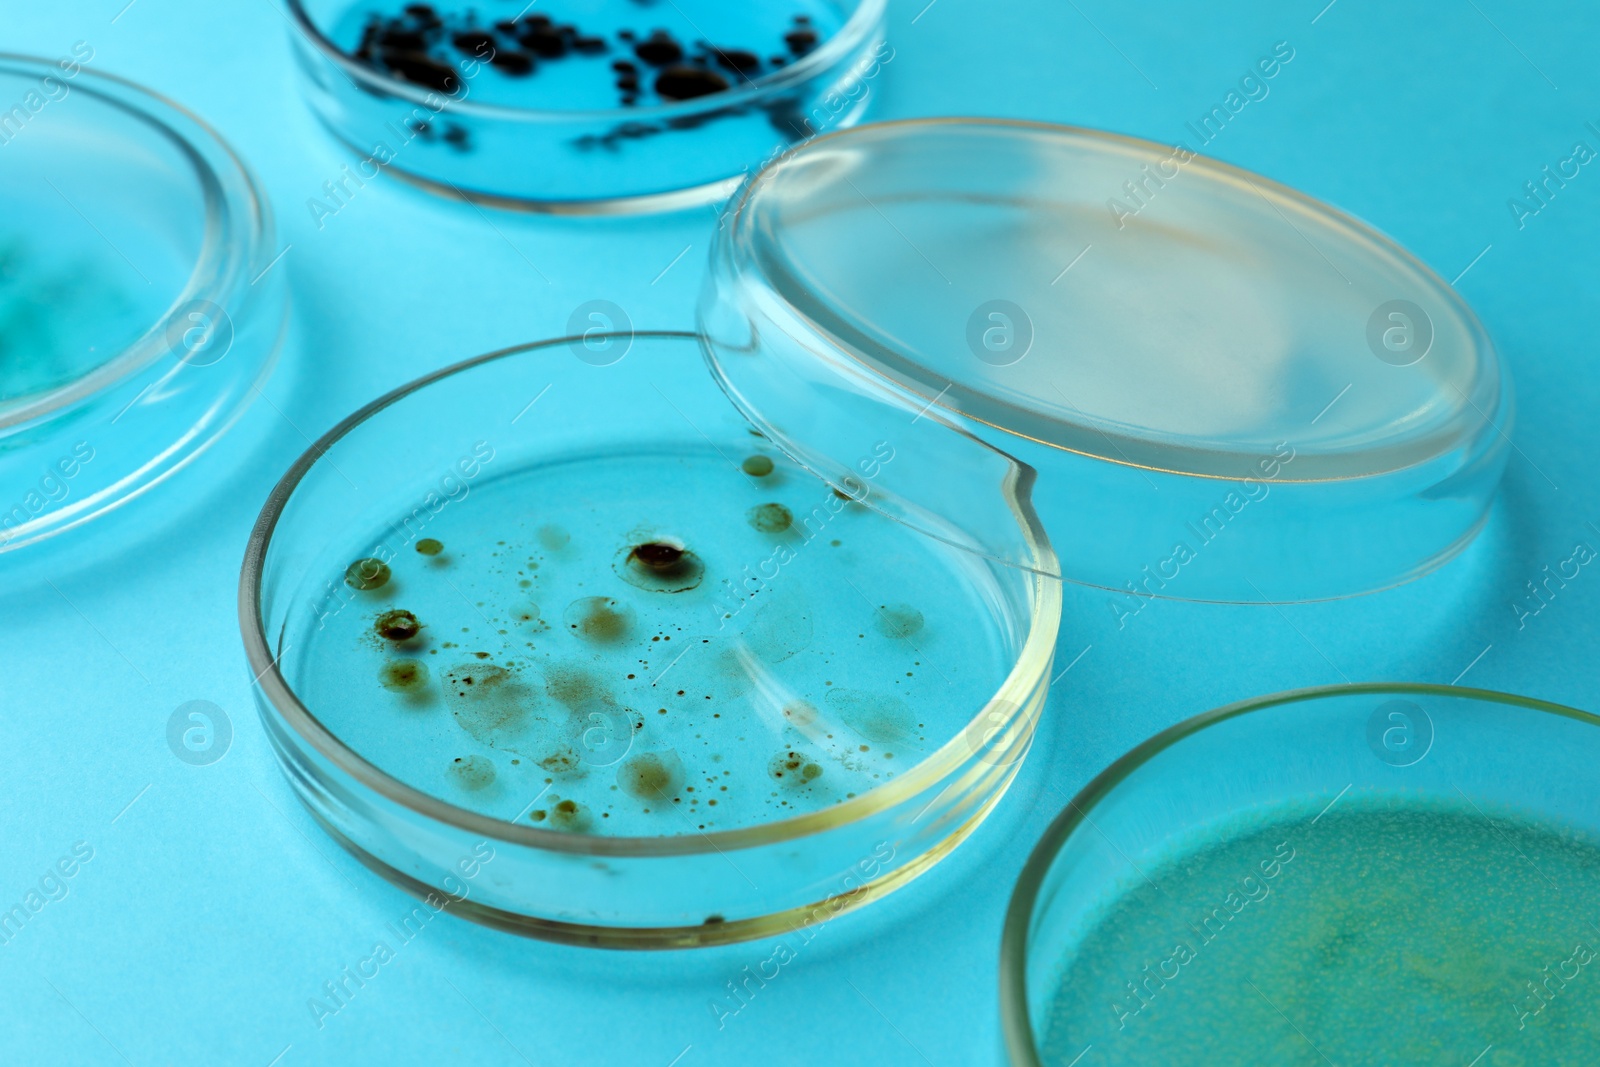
(585, 106)
(1345, 874)
(1218, 388)
(135, 321)
(560, 605)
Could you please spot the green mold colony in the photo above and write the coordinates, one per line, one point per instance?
(1386, 931)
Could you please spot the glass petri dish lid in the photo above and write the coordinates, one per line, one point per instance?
(1289, 877)
(560, 607)
(586, 106)
(135, 320)
(1216, 387)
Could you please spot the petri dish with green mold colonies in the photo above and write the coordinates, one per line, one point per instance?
(583, 106)
(572, 605)
(135, 317)
(63, 311)
(1364, 874)
(1256, 397)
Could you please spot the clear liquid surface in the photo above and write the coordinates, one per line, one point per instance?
(649, 644)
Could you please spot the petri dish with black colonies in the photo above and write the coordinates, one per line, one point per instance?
(1213, 387)
(585, 107)
(562, 600)
(137, 310)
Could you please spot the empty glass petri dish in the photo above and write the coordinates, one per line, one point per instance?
(1215, 387)
(135, 322)
(560, 605)
(1348, 874)
(584, 106)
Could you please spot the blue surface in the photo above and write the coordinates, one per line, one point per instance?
(213, 910)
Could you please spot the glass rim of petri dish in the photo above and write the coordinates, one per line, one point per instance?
(234, 204)
(1016, 699)
(1207, 462)
(861, 24)
(1016, 1024)
(1111, 415)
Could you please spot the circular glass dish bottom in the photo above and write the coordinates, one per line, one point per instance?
(1293, 878)
(1219, 388)
(135, 323)
(584, 108)
(574, 613)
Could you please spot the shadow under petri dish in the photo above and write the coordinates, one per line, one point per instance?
(611, 647)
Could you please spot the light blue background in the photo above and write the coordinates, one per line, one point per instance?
(213, 908)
